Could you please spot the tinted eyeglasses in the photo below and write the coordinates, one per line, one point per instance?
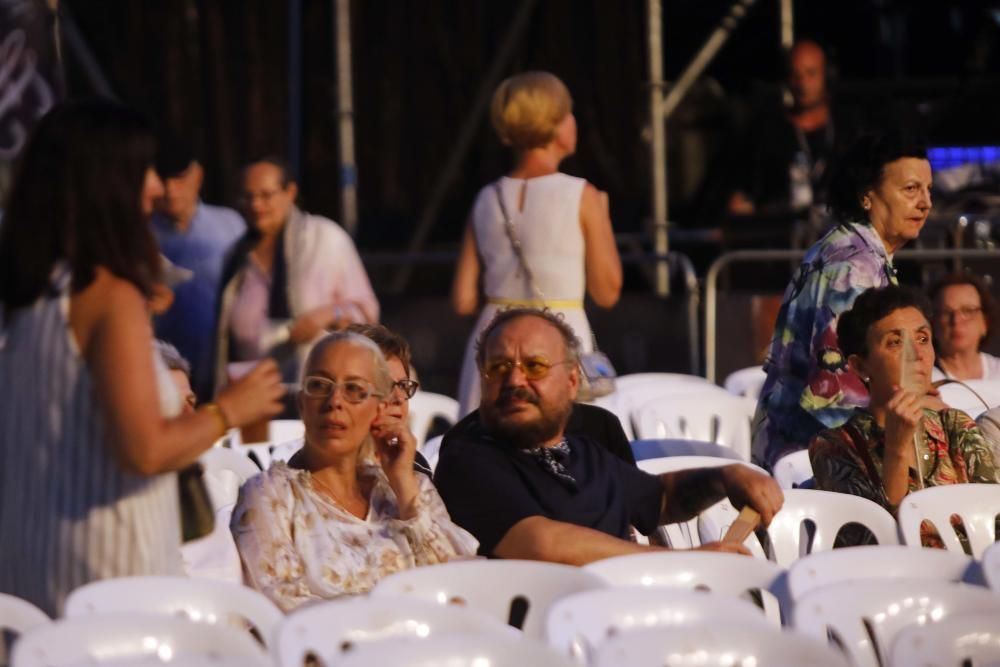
(353, 391)
(406, 387)
(534, 368)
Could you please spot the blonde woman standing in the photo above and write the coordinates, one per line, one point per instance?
(561, 223)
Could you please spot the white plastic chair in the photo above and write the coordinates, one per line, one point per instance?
(721, 573)
(283, 430)
(466, 650)
(578, 624)
(135, 639)
(788, 533)
(329, 630)
(961, 640)
(425, 406)
(509, 590)
(746, 382)
(864, 617)
(215, 556)
(723, 419)
(18, 616)
(877, 562)
(960, 398)
(431, 449)
(716, 645)
(202, 600)
(636, 389)
(991, 566)
(977, 504)
(793, 469)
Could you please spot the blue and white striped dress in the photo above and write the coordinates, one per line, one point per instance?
(69, 513)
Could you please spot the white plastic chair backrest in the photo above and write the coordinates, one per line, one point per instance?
(646, 381)
(507, 589)
(865, 616)
(329, 630)
(977, 504)
(654, 449)
(716, 645)
(991, 566)
(828, 512)
(19, 615)
(722, 418)
(215, 556)
(424, 407)
(454, 650)
(746, 381)
(971, 640)
(720, 573)
(867, 562)
(960, 398)
(578, 624)
(201, 600)
(431, 449)
(135, 639)
(618, 405)
(793, 469)
(284, 430)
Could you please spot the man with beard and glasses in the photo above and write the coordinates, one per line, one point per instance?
(525, 486)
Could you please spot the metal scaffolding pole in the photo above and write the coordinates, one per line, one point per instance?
(660, 109)
(787, 24)
(658, 125)
(348, 171)
(295, 89)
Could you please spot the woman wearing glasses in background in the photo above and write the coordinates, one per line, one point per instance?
(348, 508)
(963, 314)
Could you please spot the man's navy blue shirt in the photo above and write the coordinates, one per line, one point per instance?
(488, 486)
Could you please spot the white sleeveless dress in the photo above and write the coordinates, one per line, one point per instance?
(548, 227)
(69, 514)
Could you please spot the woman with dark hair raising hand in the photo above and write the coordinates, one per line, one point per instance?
(89, 436)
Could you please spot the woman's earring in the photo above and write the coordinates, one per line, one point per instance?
(866, 204)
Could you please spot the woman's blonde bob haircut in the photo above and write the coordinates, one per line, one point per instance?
(528, 107)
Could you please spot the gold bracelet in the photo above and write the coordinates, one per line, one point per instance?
(214, 410)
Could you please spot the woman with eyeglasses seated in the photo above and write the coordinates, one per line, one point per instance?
(905, 439)
(336, 519)
(963, 315)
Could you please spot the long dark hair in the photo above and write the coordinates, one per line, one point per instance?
(76, 198)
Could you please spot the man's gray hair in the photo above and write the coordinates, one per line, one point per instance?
(172, 358)
(570, 339)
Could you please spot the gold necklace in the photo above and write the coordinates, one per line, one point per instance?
(333, 493)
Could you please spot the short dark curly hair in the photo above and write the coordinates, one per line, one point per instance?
(986, 299)
(870, 307)
(570, 339)
(862, 167)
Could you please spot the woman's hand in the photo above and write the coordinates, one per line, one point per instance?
(311, 323)
(254, 397)
(395, 448)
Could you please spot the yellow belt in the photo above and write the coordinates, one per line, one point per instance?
(558, 304)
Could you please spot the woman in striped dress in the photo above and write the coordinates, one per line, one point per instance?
(86, 455)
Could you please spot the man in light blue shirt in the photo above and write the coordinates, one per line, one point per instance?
(195, 236)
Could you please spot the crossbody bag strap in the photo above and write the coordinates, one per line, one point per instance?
(515, 243)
